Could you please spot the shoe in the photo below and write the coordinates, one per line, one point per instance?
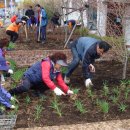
(38, 41)
(66, 80)
(43, 42)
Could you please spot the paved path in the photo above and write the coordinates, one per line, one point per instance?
(109, 125)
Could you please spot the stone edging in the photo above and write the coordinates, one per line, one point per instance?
(108, 125)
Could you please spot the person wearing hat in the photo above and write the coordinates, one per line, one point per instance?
(12, 31)
(42, 74)
(5, 97)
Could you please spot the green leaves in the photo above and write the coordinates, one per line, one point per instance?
(18, 74)
(27, 99)
(105, 89)
(56, 106)
(80, 107)
(38, 111)
(104, 106)
(122, 107)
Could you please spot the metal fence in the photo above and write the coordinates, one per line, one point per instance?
(7, 122)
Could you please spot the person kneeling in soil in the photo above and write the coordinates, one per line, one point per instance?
(5, 97)
(12, 31)
(40, 76)
(86, 49)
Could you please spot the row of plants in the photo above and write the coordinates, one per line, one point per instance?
(109, 97)
(102, 100)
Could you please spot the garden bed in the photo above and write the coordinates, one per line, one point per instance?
(109, 99)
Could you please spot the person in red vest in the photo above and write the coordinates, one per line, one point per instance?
(14, 18)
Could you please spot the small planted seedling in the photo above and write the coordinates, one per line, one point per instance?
(38, 111)
(74, 96)
(105, 89)
(116, 91)
(126, 93)
(27, 99)
(90, 93)
(43, 98)
(2, 109)
(80, 107)
(76, 90)
(123, 84)
(114, 99)
(104, 106)
(18, 75)
(122, 107)
(56, 106)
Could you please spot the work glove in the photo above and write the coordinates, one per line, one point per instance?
(70, 92)
(14, 99)
(92, 68)
(23, 22)
(88, 82)
(58, 92)
(10, 71)
(12, 107)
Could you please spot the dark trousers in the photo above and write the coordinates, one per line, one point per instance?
(13, 35)
(42, 33)
(26, 85)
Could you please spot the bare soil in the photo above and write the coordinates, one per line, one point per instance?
(105, 71)
(110, 72)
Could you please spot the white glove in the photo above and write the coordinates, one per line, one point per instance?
(12, 107)
(92, 68)
(88, 82)
(58, 92)
(23, 21)
(14, 99)
(70, 92)
(40, 15)
(10, 71)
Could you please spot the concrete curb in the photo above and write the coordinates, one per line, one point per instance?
(108, 125)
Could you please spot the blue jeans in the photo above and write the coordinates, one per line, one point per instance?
(42, 33)
(74, 63)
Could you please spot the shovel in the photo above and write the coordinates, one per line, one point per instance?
(25, 29)
(39, 31)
